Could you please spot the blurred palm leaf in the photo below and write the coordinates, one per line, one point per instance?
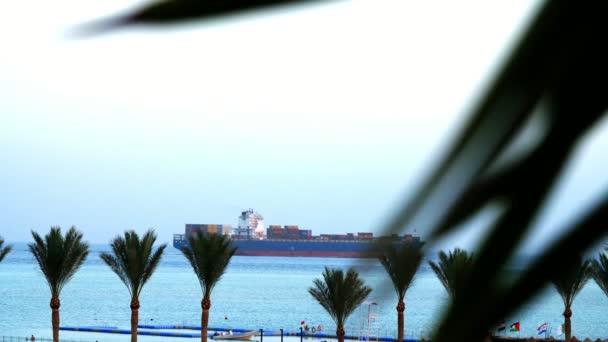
(174, 11)
(556, 64)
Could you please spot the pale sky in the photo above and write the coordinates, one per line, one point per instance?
(323, 117)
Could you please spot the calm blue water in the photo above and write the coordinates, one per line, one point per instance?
(256, 292)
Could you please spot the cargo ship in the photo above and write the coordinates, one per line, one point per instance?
(252, 238)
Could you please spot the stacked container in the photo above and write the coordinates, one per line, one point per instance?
(193, 229)
(292, 232)
(365, 236)
(305, 234)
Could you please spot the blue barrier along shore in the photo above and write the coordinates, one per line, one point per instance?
(115, 330)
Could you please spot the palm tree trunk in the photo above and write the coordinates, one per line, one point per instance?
(55, 304)
(400, 321)
(340, 333)
(567, 323)
(134, 318)
(206, 305)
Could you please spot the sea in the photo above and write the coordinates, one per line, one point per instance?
(269, 293)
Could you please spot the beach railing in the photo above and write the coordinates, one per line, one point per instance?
(36, 339)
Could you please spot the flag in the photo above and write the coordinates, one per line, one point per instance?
(560, 330)
(542, 328)
(501, 326)
(302, 323)
(515, 327)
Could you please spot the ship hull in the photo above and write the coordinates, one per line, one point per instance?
(305, 248)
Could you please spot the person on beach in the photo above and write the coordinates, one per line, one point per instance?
(32, 338)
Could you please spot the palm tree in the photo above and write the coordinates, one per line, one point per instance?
(209, 255)
(59, 258)
(401, 264)
(134, 261)
(568, 283)
(453, 269)
(4, 250)
(339, 295)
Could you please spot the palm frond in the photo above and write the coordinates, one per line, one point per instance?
(338, 294)
(600, 272)
(209, 256)
(324, 295)
(401, 264)
(356, 295)
(470, 176)
(133, 259)
(453, 270)
(59, 257)
(4, 250)
(571, 279)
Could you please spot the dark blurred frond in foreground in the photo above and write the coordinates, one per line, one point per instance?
(553, 74)
(177, 11)
(556, 73)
